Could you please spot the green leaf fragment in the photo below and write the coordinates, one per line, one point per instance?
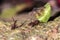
(46, 13)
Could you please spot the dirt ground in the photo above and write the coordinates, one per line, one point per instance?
(43, 31)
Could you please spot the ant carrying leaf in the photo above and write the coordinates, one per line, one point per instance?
(43, 16)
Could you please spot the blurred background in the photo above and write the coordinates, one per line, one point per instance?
(30, 4)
